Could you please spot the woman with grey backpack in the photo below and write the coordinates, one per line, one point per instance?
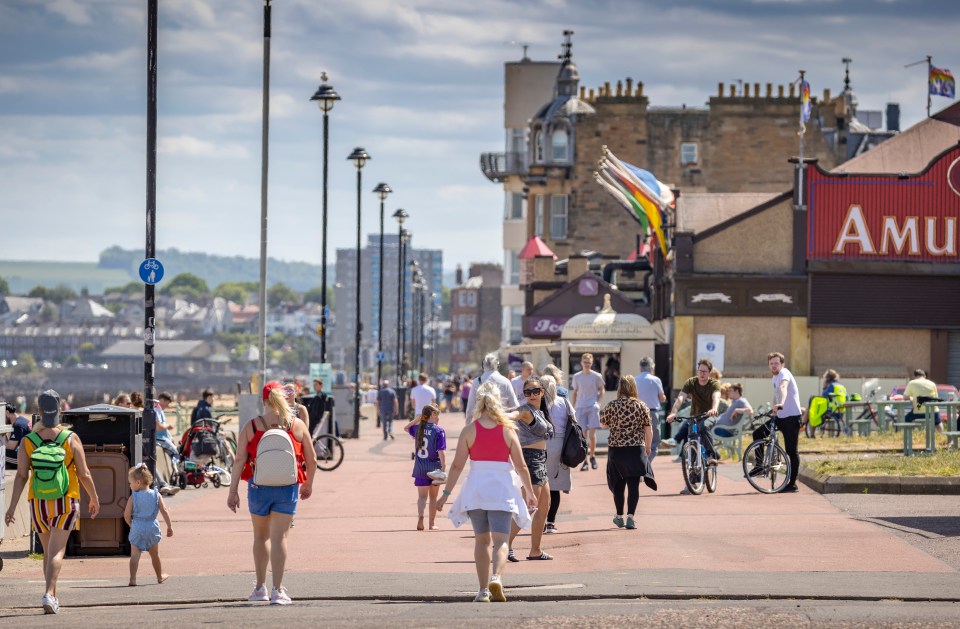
(275, 455)
(561, 413)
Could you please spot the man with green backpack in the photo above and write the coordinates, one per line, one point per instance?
(53, 461)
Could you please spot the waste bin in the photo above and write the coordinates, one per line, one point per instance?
(113, 443)
(342, 411)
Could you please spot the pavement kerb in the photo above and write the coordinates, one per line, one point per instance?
(920, 485)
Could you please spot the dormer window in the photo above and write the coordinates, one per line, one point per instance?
(537, 146)
(559, 146)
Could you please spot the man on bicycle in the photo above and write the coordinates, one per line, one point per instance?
(786, 403)
(704, 394)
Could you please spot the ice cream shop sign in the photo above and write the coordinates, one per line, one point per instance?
(886, 217)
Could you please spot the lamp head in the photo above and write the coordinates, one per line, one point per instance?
(359, 157)
(382, 190)
(401, 215)
(325, 96)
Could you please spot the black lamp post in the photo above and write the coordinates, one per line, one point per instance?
(325, 97)
(400, 215)
(382, 190)
(433, 332)
(416, 286)
(359, 158)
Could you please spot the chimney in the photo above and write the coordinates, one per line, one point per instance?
(756, 90)
(592, 95)
(793, 90)
(893, 116)
(619, 88)
(459, 275)
(606, 88)
(720, 89)
(779, 91)
(769, 90)
(629, 86)
(746, 90)
(583, 92)
(639, 89)
(733, 90)
(826, 96)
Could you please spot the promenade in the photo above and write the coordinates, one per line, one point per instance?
(355, 539)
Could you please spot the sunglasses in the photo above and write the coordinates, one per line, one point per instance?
(532, 391)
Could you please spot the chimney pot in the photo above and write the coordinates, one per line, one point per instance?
(606, 88)
(826, 95)
(720, 89)
(629, 86)
(583, 91)
(639, 88)
(779, 91)
(756, 90)
(619, 88)
(746, 90)
(769, 90)
(592, 96)
(733, 90)
(793, 90)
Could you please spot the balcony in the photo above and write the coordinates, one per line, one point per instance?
(499, 166)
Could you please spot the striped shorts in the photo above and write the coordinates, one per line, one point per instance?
(62, 513)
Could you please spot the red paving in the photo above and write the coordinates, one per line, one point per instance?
(362, 518)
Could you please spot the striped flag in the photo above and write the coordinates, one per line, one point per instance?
(942, 83)
(638, 191)
(805, 104)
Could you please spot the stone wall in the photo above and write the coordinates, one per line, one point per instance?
(762, 243)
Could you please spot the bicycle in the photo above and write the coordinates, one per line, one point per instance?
(329, 450)
(697, 474)
(765, 463)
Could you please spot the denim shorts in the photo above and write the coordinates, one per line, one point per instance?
(262, 500)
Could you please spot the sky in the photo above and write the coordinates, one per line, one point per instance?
(422, 89)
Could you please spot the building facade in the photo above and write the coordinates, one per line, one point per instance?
(475, 315)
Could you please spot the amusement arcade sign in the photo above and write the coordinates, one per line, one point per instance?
(886, 217)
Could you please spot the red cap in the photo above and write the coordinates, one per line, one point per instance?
(270, 386)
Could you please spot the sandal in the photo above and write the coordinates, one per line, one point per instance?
(541, 557)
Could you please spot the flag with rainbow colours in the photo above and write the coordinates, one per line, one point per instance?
(805, 104)
(942, 83)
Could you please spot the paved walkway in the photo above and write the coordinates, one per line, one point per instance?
(356, 537)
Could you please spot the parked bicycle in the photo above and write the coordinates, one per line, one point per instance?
(329, 449)
(765, 462)
(697, 474)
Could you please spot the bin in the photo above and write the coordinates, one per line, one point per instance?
(113, 443)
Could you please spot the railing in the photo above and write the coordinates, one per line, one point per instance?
(499, 166)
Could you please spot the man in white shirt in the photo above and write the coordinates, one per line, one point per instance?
(650, 392)
(586, 393)
(786, 403)
(422, 394)
(526, 370)
(508, 399)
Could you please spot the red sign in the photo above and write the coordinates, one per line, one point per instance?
(906, 218)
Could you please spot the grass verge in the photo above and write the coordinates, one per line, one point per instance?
(943, 463)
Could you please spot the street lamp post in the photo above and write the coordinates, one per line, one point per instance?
(325, 97)
(400, 215)
(416, 311)
(359, 158)
(433, 332)
(382, 190)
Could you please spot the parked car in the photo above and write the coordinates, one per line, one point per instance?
(946, 392)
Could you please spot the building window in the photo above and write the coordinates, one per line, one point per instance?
(688, 153)
(537, 146)
(516, 325)
(472, 298)
(516, 141)
(513, 206)
(558, 217)
(559, 146)
(462, 298)
(538, 218)
(513, 267)
(471, 322)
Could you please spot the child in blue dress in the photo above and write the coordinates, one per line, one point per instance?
(428, 463)
(141, 515)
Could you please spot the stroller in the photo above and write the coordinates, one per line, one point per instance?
(198, 448)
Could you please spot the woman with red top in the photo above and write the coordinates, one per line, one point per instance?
(272, 508)
(491, 497)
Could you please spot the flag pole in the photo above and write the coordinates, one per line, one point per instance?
(929, 62)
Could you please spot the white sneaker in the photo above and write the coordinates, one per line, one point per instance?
(437, 475)
(279, 596)
(50, 604)
(259, 593)
(670, 442)
(483, 596)
(496, 590)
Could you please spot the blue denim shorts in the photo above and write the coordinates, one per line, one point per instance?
(262, 500)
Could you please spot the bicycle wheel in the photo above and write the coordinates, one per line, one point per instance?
(768, 471)
(692, 468)
(831, 427)
(711, 473)
(329, 451)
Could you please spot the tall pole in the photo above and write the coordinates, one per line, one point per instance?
(382, 190)
(423, 318)
(149, 426)
(400, 306)
(264, 164)
(323, 246)
(359, 157)
(403, 296)
(929, 70)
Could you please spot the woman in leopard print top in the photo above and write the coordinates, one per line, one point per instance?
(630, 437)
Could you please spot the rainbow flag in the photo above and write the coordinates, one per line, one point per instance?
(942, 83)
(805, 104)
(638, 191)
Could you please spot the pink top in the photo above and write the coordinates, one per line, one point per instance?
(489, 444)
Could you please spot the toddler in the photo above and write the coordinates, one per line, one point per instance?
(141, 515)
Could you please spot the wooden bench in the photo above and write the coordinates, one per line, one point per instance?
(908, 428)
(862, 426)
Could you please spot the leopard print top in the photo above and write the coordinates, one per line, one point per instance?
(626, 418)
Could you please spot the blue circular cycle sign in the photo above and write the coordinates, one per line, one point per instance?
(151, 271)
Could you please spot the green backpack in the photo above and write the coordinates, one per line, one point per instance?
(51, 480)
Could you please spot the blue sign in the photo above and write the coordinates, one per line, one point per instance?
(151, 271)
(381, 356)
(711, 347)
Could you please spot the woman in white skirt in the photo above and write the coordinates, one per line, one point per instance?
(561, 412)
(491, 497)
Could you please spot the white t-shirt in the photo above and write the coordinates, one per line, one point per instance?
(517, 383)
(588, 385)
(791, 405)
(422, 394)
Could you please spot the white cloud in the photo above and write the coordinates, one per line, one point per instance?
(70, 10)
(194, 147)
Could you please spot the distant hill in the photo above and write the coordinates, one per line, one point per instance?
(118, 266)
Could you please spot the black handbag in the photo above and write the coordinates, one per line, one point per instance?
(574, 450)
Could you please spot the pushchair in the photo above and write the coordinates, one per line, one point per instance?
(199, 447)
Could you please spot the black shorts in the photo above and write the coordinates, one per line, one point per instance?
(536, 461)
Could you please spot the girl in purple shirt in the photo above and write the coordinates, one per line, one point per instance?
(430, 442)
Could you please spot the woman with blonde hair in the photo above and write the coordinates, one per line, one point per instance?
(272, 508)
(491, 497)
(628, 448)
(561, 414)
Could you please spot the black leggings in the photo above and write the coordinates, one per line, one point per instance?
(632, 485)
(789, 427)
(554, 506)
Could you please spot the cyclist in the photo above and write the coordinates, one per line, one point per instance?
(835, 393)
(786, 403)
(704, 394)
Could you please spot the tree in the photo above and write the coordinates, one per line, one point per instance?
(87, 350)
(4, 287)
(57, 295)
(233, 291)
(26, 364)
(314, 296)
(129, 289)
(280, 293)
(189, 286)
(49, 313)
